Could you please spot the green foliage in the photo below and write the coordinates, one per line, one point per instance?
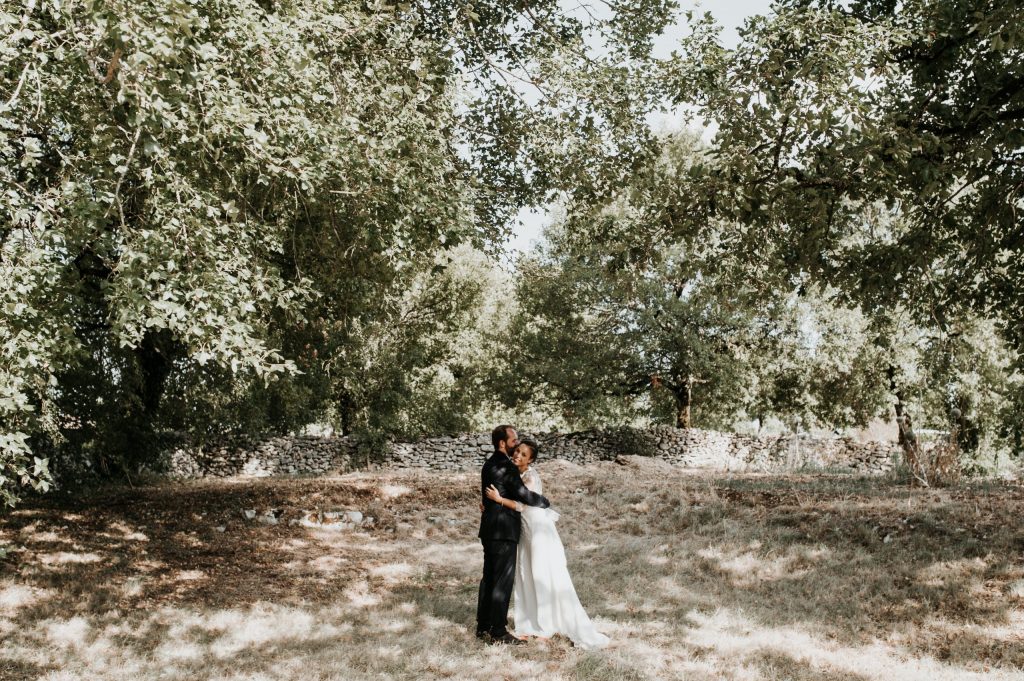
(681, 326)
(243, 217)
(638, 309)
(964, 382)
(873, 147)
(234, 216)
(396, 365)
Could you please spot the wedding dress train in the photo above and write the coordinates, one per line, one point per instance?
(544, 599)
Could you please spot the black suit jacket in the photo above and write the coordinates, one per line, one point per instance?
(498, 523)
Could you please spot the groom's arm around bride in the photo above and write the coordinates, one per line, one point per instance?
(498, 522)
(510, 485)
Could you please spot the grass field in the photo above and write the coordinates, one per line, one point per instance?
(694, 575)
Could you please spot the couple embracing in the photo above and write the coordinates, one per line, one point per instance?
(523, 552)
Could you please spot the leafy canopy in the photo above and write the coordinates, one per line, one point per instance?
(201, 198)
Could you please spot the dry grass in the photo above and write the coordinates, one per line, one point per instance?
(693, 575)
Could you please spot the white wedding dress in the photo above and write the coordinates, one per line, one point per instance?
(545, 601)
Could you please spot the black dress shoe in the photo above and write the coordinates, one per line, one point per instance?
(483, 635)
(507, 640)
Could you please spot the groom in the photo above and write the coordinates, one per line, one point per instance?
(499, 533)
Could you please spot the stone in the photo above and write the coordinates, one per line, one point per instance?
(303, 456)
(336, 527)
(249, 513)
(306, 521)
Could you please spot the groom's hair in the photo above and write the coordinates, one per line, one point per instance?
(498, 435)
(534, 447)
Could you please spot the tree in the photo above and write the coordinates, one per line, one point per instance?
(873, 139)
(682, 342)
(595, 342)
(191, 193)
(872, 147)
(679, 326)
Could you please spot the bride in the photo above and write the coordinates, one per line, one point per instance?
(545, 601)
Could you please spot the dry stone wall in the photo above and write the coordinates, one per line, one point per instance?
(683, 447)
(262, 458)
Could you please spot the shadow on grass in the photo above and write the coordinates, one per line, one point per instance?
(778, 666)
(712, 577)
(13, 669)
(846, 560)
(142, 581)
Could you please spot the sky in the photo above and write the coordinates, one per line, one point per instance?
(730, 14)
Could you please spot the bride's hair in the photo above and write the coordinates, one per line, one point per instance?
(534, 448)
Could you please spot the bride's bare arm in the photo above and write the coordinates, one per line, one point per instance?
(493, 495)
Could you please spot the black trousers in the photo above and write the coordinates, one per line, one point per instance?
(496, 587)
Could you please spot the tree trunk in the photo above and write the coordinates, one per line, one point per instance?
(966, 431)
(907, 439)
(346, 412)
(155, 363)
(684, 397)
(901, 437)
